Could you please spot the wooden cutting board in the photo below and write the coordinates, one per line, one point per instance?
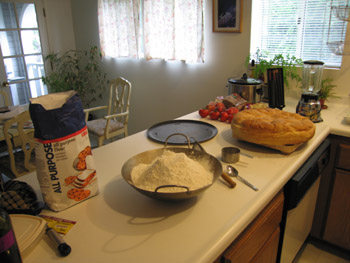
(287, 149)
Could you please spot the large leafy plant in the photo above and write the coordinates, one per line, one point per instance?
(263, 62)
(77, 70)
(327, 89)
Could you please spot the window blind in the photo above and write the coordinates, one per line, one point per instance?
(299, 28)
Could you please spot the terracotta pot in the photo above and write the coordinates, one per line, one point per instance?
(322, 102)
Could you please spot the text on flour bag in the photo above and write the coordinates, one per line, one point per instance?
(65, 166)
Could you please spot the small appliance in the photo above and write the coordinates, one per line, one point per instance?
(275, 88)
(247, 88)
(309, 105)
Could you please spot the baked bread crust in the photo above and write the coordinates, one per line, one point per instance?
(268, 126)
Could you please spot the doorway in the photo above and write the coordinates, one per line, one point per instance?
(23, 43)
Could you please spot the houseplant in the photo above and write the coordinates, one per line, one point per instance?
(326, 91)
(77, 70)
(262, 63)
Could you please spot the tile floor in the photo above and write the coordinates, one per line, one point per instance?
(313, 253)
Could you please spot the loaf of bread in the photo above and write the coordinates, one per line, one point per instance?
(272, 127)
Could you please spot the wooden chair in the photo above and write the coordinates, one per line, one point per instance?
(4, 103)
(115, 122)
(5, 98)
(20, 159)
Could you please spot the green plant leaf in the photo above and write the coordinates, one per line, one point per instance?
(77, 70)
(327, 89)
(289, 64)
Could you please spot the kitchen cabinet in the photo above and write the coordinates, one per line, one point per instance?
(338, 220)
(269, 251)
(259, 241)
(332, 215)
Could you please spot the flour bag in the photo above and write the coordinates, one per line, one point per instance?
(65, 166)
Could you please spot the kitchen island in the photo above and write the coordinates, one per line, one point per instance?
(122, 225)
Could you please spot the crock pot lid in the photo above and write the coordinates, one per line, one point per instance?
(245, 81)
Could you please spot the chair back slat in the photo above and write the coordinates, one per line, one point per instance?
(120, 97)
(20, 143)
(5, 98)
(115, 123)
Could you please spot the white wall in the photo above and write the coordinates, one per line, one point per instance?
(166, 90)
(59, 24)
(341, 77)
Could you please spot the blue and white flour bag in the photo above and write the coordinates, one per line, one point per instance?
(65, 166)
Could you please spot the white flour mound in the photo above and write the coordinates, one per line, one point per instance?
(171, 169)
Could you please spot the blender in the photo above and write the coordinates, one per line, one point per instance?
(309, 105)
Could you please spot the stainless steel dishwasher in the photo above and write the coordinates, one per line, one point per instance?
(300, 202)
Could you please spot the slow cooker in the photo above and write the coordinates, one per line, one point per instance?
(248, 88)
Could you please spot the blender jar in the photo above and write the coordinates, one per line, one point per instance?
(312, 76)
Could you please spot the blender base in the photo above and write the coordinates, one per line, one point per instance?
(310, 110)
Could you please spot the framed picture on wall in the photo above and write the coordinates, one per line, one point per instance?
(227, 15)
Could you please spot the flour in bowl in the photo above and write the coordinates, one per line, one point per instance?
(171, 169)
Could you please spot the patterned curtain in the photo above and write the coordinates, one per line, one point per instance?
(170, 29)
(119, 27)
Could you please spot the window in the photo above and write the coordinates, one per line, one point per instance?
(21, 51)
(163, 29)
(296, 27)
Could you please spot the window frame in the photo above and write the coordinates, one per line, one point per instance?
(41, 27)
(298, 50)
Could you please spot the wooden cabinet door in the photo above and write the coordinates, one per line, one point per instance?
(343, 157)
(337, 229)
(268, 253)
(253, 240)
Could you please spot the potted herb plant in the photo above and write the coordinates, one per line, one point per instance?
(326, 91)
(79, 71)
(262, 63)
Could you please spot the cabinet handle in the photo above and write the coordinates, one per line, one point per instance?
(223, 259)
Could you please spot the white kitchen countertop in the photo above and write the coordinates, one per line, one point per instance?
(122, 225)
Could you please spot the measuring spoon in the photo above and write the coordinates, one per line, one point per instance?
(234, 173)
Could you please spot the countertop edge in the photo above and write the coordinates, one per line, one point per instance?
(255, 210)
